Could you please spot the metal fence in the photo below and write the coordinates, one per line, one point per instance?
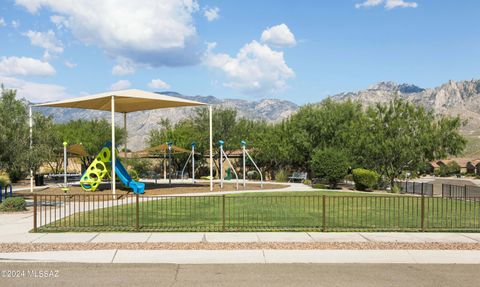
(92, 212)
(460, 191)
(419, 188)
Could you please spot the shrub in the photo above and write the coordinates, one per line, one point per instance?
(253, 175)
(329, 164)
(4, 180)
(396, 188)
(13, 204)
(319, 186)
(281, 176)
(307, 182)
(365, 179)
(453, 168)
(142, 166)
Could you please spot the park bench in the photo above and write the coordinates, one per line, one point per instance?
(301, 176)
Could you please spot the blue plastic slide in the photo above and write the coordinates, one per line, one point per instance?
(126, 179)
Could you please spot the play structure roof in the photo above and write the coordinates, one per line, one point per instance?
(126, 101)
(77, 150)
(160, 150)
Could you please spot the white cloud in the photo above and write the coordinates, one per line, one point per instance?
(46, 40)
(158, 84)
(255, 69)
(120, 85)
(279, 35)
(211, 13)
(2, 22)
(368, 3)
(59, 21)
(15, 23)
(388, 4)
(152, 32)
(123, 68)
(34, 92)
(391, 4)
(23, 66)
(69, 64)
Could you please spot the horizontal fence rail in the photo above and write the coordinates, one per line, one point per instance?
(93, 212)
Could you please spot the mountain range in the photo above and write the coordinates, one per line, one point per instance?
(140, 123)
(451, 98)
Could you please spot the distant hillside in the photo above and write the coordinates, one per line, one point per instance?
(452, 98)
(140, 123)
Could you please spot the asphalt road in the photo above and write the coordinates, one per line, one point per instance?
(73, 274)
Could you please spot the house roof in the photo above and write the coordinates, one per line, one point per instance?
(462, 162)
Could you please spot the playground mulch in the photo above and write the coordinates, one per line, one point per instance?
(35, 247)
(165, 188)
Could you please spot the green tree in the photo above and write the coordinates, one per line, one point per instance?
(16, 157)
(91, 134)
(330, 165)
(14, 135)
(400, 136)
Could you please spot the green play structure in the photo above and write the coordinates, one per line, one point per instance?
(101, 167)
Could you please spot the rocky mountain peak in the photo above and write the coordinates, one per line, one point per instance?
(393, 87)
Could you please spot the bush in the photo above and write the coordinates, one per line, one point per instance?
(13, 204)
(365, 179)
(329, 164)
(4, 180)
(453, 168)
(142, 166)
(307, 182)
(281, 176)
(253, 175)
(319, 186)
(396, 188)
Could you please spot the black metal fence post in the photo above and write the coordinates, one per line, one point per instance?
(422, 213)
(35, 213)
(223, 212)
(324, 225)
(137, 211)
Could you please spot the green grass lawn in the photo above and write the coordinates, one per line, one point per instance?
(280, 211)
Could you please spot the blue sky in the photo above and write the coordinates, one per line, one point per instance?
(301, 51)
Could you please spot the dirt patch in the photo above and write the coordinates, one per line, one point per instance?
(33, 247)
(164, 189)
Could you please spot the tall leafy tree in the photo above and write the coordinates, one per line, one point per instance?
(400, 136)
(91, 134)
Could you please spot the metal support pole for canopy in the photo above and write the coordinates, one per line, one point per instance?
(221, 163)
(244, 143)
(65, 165)
(126, 138)
(211, 147)
(31, 143)
(193, 162)
(170, 164)
(114, 189)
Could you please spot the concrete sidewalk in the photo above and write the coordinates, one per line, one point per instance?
(250, 256)
(240, 237)
(15, 228)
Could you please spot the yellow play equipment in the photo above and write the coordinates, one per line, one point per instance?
(92, 178)
(101, 167)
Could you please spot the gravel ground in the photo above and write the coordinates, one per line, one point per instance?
(32, 247)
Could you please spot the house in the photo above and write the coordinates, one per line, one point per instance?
(467, 165)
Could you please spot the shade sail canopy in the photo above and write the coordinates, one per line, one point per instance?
(159, 151)
(77, 150)
(126, 101)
